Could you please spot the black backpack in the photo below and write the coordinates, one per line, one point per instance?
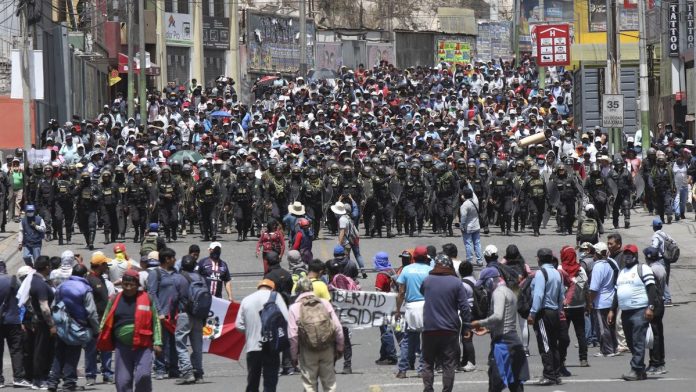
(525, 298)
(482, 301)
(199, 298)
(274, 326)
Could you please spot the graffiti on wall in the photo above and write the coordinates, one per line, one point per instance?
(377, 52)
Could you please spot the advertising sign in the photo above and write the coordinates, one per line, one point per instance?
(216, 33)
(673, 29)
(179, 29)
(453, 51)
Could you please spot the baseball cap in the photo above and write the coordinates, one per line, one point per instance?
(601, 247)
(420, 253)
(267, 283)
(589, 207)
(586, 245)
(99, 258)
(214, 245)
(631, 248)
(338, 250)
(657, 222)
(119, 248)
(490, 251)
(131, 273)
(651, 253)
(153, 256)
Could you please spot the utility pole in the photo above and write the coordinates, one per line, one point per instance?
(131, 74)
(643, 78)
(542, 69)
(26, 71)
(303, 38)
(613, 72)
(234, 45)
(142, 79)
(516, 30)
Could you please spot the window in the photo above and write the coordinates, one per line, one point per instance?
(219, 7)
(168, 5)
(182, 6)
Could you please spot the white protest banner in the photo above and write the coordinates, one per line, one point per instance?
(363, 309)
(42, 157)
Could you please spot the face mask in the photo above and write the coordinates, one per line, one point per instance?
(215, 254)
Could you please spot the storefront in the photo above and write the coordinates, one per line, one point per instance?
(216, 43)
(179, 40)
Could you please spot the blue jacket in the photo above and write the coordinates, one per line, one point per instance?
(72, 293)
(30, 236)
(547, 295)
(9, 308)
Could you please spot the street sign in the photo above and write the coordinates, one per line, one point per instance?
(612, 111)
(553, 45)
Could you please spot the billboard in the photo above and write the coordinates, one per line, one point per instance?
(179, 29)
(216, 32)
(273, 43)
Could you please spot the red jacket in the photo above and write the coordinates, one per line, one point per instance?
(143, 331)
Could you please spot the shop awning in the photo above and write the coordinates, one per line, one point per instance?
(151, 69)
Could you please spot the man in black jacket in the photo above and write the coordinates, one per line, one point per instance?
(282, 279)
(98, 267)
(11, 327)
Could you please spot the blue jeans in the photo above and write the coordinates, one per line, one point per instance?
(30, 254)
(635, 327)
(680, 200)
(387, 349)
(410, 345)
(358, 257)
(64, 365)
(189, 329)
(166, 363)
(472, 243)
(91, 361)
(591, 328)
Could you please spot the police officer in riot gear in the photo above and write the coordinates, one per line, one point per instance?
(661, 181)
(502, 188)
(64, 206)
(568, 192)
(384, 206)
(521, 198)
(110, 199)
(535, 189)
(88, 202)
(138, 201)
(596, 188)
(169, 198)
(242, 194)
(207, 195)
(445, 188)
(122, 207)
(312, 196)
(624, 185)
(413, 195)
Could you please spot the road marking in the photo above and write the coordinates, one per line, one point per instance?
(565, 381)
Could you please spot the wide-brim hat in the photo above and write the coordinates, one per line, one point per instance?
(296, 208)
(338, 208)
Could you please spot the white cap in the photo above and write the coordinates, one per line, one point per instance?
(214, 245)
(601, 247)
(589, 207)
(490, 251)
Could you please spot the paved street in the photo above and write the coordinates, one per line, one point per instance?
(603, 375)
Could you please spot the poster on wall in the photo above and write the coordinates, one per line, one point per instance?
(216, 32)
(558, 11)
(179, 29)
(329, 55)
(378, 52)
(493, 41)
(628, 18)
(273, 43)
(453, 51)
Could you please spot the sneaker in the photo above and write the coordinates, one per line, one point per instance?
(287, 372)
(656, 370)
(470, 367)
(623, 350)
(159, 376)
(401, 375)
(186, 379)
(543, 382)
(41, 386)
(526, 353)
(91, 381)
(108, 379)
(668, 303)
(600, 355)
(584, 363)
(564, 372)
(633, 376)
(21, 383)
(347, 370)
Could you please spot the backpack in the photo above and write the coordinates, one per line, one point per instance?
(587, 232)
(343, 282)
(670, 250)
(508, 274)
(525, 298)
(315, 326)
(200, 300)
(68, 329)
(149, 245)
(482, 301)
(274, 326)
(658, 288)
(352, 235)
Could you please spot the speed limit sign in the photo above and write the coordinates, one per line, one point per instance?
(612, 111)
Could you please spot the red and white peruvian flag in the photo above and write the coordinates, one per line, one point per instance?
(630, 4)
(220, 335)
